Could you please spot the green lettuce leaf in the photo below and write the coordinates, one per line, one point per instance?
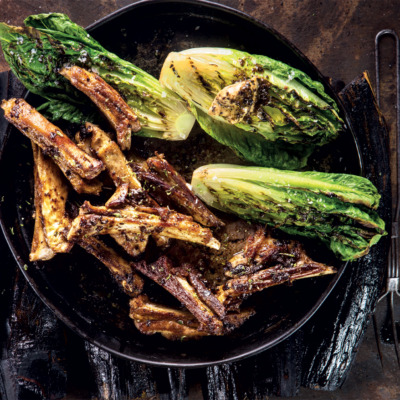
(258, 97)
(253, 148)
(338, 209)
(49, 41)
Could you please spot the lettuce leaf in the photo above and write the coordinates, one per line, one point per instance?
(38, 51)
(338, 209)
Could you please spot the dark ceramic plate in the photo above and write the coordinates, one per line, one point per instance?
(75, 286)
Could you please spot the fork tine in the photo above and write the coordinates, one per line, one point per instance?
(393, 261)
(394, 330)
(395, 249)
(377, 338)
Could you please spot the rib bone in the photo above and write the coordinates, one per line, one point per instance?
(108, 100)
(179, 191)
(51, 194)
(248, 284)
(40, 250)
(162, 272)
(120, 269)
(173, 225)
(50, 139)
(112, 157)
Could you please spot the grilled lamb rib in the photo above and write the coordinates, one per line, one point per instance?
(174, 324)
(266, 262)
(65, 153)
(109, 101)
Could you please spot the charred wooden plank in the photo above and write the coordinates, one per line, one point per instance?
(220, 382)
(120, 379)
(327, 365)
(50, 139)
(34, 358)
(108, 100)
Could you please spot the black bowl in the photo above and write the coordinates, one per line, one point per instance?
(75, 286)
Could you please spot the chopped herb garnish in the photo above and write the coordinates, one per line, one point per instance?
(287, 254)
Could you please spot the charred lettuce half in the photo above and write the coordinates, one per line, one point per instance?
(256, 98)
(48, 42)
(338, 209)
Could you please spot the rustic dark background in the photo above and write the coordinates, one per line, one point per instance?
(338, 37)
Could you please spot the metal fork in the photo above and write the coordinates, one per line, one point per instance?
(393, 271)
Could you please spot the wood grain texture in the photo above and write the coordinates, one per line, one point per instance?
(337, 36)
(34, 359)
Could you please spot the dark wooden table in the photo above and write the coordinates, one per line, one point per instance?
(338, 37)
